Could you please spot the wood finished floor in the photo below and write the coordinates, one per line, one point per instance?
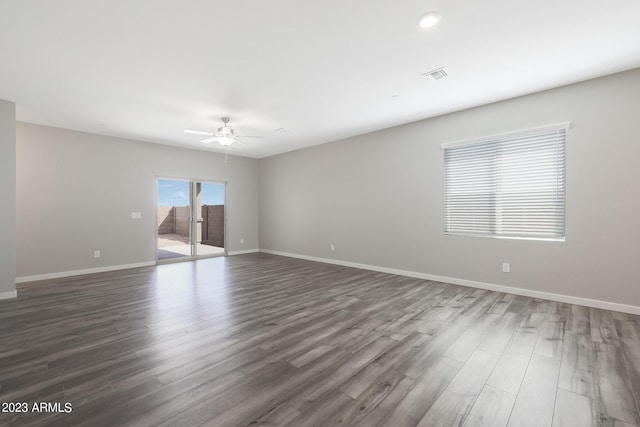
(266, 340)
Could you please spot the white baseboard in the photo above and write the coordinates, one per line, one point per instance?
(8, 295)
(61, 274)
(249, 251)
(50, 276)
(605, 305)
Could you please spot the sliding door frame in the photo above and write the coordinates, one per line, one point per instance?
(193, 219)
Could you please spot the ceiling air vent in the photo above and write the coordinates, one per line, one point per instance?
(437, 74)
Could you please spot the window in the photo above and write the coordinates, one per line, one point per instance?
(511, 185)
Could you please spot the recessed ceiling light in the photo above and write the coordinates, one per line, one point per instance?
(428, 20)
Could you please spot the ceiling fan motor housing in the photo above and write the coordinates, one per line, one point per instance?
(225, 131)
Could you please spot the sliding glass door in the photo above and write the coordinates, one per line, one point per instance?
(190, 219)
(209, 207)
(174, 219)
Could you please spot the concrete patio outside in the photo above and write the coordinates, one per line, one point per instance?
(173, 245)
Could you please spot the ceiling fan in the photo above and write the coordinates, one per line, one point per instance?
(225, 135)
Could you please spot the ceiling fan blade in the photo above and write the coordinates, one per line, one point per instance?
(208, 140)
(198, 132)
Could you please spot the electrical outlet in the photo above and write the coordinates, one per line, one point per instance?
(506, 267)
(242, 240)
(96, 254)
(332, 247)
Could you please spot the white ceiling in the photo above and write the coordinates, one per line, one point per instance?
(148, 69)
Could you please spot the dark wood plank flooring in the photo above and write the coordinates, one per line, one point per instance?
(266, 340)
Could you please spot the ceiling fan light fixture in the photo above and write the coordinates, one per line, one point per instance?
(225, 140)
(429, 19)
(225, 135)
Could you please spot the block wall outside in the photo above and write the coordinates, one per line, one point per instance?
(166, 220)
(183, 218)
(175, 220)
(213, 225)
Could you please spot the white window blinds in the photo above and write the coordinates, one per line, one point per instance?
(507, 186)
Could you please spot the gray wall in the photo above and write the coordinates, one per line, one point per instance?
(379, 197)
(76, 192)
(7, 198)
